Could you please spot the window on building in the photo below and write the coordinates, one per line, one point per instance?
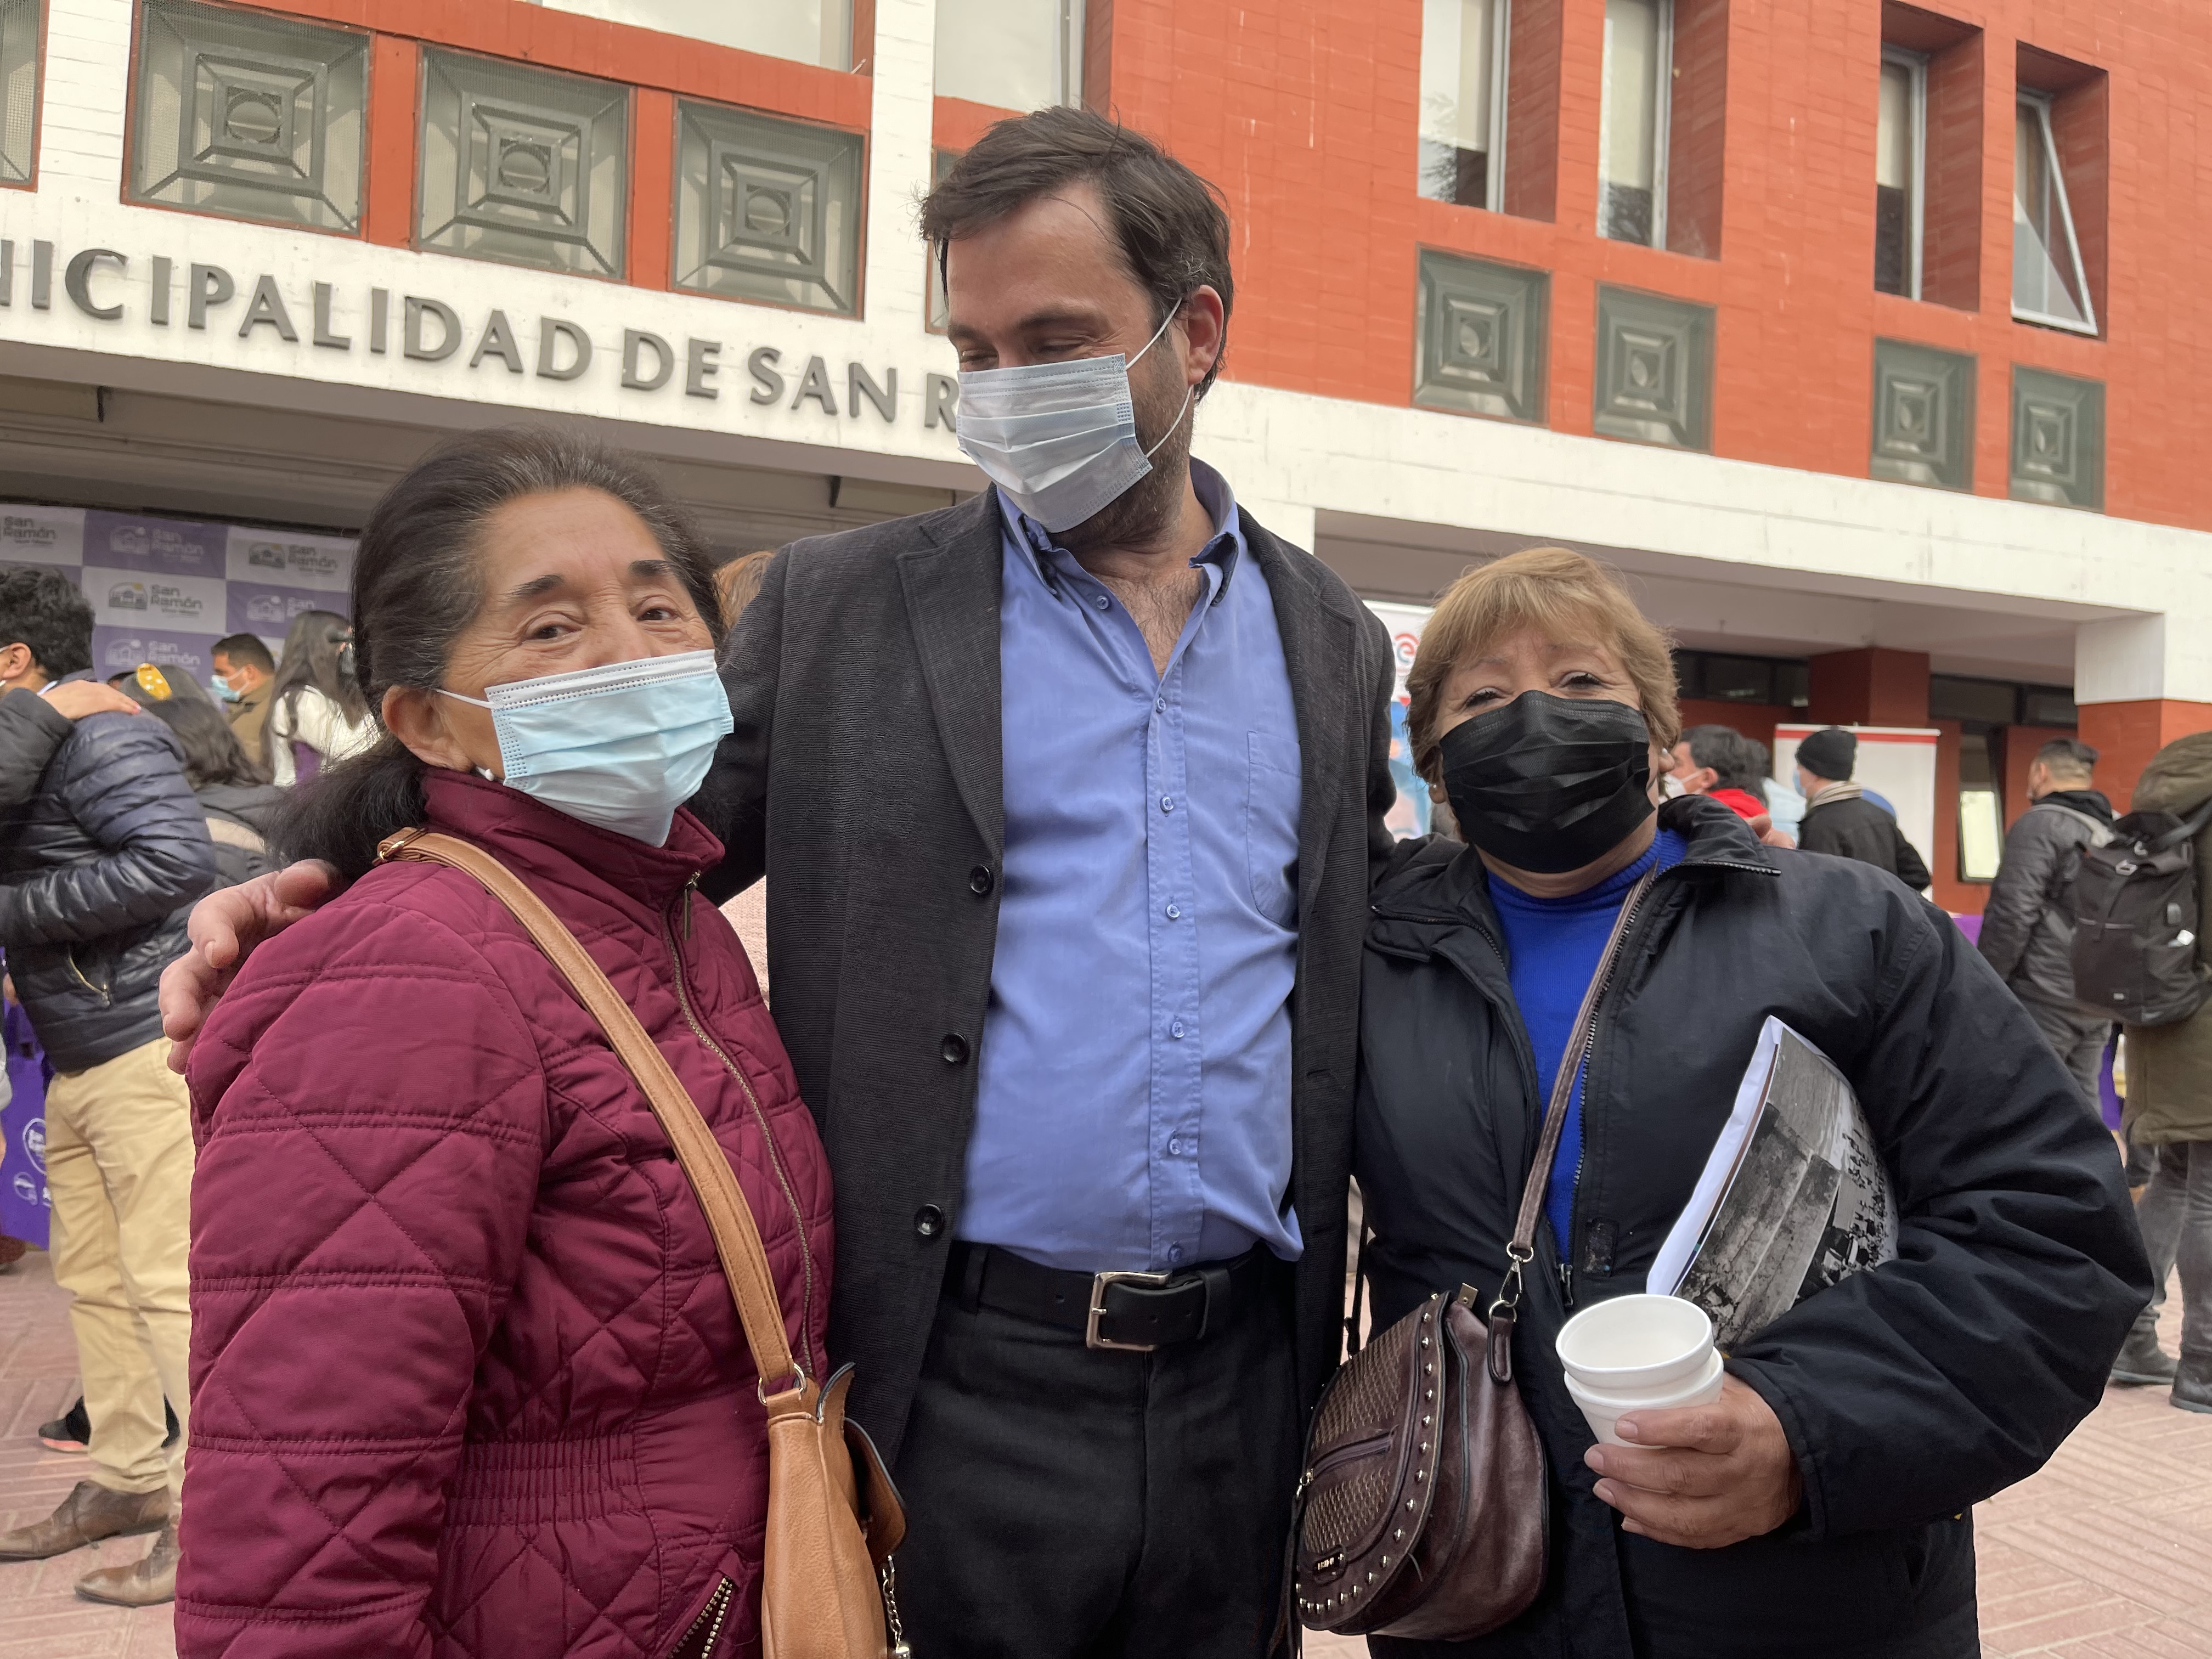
(805, 31)
(1981, 810)
(249, 116)
(523, 165)
(1719, 676)
(1013, 54)
(1899, 172)
(19, 88)
(2049, 285)
(1632, 121)
(767, 209)
(1463, 57)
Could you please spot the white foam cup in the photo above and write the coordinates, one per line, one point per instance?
(1604, 1412)
(1632, 1345)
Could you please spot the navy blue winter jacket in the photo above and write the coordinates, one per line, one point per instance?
(99, 867)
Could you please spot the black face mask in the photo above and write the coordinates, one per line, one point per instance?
(1549, 784)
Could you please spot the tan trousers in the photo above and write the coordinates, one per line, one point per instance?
(120, 1168)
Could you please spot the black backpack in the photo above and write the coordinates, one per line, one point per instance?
(2134, 921)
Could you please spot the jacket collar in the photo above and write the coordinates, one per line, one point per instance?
(550, 850)
(1443, 885)
(1829, 794)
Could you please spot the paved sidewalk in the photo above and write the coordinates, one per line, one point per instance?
(2105, 1554)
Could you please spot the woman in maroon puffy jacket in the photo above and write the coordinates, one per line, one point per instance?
(467, 1376)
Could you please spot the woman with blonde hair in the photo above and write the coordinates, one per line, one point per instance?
(1819, 1508)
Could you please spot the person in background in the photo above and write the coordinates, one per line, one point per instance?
(240, 804)
(1818, 1509)
(243, 671)
(1720, 762)
(2169, 1111)
(738, 583)
(1839, 819)
(316, 714)
(31, 728)
(97, 869)
(2028, 922)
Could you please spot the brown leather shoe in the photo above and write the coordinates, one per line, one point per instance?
(142, 1583)
(90, 1513)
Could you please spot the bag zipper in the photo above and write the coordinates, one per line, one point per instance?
(774, 1152)
(711, 1619)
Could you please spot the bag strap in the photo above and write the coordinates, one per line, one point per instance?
(2190, 828)
(2100, 834)
(737, 1238)
(1521, 1249)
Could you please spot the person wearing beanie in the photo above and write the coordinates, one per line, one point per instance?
(1839, 819)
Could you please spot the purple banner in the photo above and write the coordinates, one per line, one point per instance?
(24, 1201)
(115, 649)
(175, 547)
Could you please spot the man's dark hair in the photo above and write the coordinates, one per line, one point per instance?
(1171, 227)
(48, 612)
(2070, 756)
(245, 650)
(1737, 761)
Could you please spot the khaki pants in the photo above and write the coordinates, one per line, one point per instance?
(119, 1168)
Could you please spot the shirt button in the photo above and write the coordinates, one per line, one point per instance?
(1174, 914)
(1167, 803)
(928, 1221)
(1175, 1253)
(1176, 1029)
(1174, 1149)
(1104, 603)
(979, 879)
(1160, 706)
(954, 1049)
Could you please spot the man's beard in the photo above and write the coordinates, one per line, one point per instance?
(1148, 508)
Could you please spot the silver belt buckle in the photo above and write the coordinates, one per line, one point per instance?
(1098, 1284)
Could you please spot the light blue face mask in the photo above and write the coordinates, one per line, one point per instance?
(621, 747)
(221, 688)
(1059, 439)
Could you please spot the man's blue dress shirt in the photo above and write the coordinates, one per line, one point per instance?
(1133, 1109)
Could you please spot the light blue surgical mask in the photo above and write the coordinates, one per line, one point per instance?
(1059, 439)
(621, 747)
(221, 687)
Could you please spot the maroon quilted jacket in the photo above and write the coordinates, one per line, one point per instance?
(467, 1380)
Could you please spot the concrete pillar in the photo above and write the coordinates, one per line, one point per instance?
(2127, 672)
(901, 124)
(1872, 686)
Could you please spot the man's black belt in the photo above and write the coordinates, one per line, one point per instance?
(1132, 1311)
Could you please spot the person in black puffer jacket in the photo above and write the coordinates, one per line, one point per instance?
(98, 869)
(1819, 1509)
(240, 803)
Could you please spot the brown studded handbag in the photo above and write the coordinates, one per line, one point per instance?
(1422, 1508)
(834, 1517)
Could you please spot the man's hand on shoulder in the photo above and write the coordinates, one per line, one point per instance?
(225, 927)
(74, 699)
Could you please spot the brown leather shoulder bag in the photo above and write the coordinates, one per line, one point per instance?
(834, 1517)
(1422, 1511)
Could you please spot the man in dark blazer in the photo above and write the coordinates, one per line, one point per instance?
(1068, 799)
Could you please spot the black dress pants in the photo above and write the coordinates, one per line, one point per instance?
(1072, 1503)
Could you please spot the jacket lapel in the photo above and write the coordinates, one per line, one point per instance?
(1317, 638)
(952, 590)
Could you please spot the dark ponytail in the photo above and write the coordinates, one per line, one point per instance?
(416, 586)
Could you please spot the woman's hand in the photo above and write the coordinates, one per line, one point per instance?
(225, 926)
(1704, 1476)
